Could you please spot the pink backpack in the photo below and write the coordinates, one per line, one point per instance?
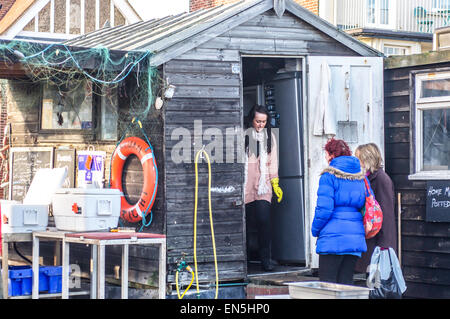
(372, 214)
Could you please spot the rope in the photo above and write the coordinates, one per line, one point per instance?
(115, 81)
(144, 214)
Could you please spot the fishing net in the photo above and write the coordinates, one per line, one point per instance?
(79, 74)
(69, 82)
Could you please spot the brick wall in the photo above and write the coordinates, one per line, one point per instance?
(6, 5)
(3, 121)
(254, 290)
(312, 5)
(205, 4)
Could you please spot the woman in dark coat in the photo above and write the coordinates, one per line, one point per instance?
(383, 189)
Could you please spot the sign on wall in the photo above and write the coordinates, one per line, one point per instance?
(438, 201)
(91, 166)
(24, 162)
(66, 158)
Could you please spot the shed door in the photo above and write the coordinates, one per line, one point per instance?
(356, 104)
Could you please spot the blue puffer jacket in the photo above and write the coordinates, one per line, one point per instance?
(340, 197)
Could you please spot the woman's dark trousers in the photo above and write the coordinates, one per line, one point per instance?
(337, 268)
(258, 218)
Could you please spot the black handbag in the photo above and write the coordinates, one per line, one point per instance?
(388, 288)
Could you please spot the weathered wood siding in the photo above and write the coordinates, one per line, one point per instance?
(425, 245)
(269, 34)
(208, 91)
(208, 88)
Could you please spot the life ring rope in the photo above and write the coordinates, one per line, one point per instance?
(136, 146)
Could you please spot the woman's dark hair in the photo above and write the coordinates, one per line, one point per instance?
(248, 123)
(337, 148)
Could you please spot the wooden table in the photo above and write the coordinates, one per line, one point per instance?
(98, 242)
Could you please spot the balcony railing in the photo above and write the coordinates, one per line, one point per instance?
(400, 15)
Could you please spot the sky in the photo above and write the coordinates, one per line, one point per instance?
(149, 9)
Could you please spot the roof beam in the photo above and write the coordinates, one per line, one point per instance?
(214, 28)
(330, 30)
(128, 12)
(29, 9)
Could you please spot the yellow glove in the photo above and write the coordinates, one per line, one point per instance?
(276, 188)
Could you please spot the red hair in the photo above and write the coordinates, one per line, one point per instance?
(337, 148)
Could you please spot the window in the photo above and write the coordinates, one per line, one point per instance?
(436, 139)
(70, 110)
(441, 39)
(371, 11)
(384, 11)
(389, 50)
(381, 13)
(67, 108)
(432, 126)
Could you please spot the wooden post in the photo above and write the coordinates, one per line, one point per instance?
(399, 231)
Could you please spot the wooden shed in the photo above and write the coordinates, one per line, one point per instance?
(216, 63)
(417, 159)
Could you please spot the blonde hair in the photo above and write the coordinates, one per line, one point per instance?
(370, 156)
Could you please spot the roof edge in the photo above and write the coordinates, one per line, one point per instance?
(391, 34)
(331, 30)
(406, 61)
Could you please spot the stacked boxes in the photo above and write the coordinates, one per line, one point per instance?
(21, 280)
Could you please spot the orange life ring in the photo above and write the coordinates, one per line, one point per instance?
(138, 147)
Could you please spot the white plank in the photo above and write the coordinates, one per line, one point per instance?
(370, 123)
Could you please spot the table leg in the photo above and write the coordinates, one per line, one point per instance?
(125, 271)
(101, 272)
(65, 270)
(94, 265)
(162, 271)
(35, 268)
(5, 269)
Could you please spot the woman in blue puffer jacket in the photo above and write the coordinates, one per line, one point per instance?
(337, 220)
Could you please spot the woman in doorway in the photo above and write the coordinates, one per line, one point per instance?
(370, 157)
(337, 220)
(261, 175)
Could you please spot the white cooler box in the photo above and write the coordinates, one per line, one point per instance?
(21, 218)
(86, 209)
(32, 214)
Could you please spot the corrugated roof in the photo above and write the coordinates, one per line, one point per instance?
(156, 34)
(173, 35)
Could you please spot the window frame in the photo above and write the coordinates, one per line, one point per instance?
(407, 49)
(391, 14)
(94, 133)
(69, 130)
(418, 105)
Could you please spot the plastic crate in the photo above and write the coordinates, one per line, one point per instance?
(21, 280)
(50, 279)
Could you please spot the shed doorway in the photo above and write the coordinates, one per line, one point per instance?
(277, 83)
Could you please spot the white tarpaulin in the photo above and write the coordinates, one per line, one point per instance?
(324, 118)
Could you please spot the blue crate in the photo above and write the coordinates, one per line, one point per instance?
(21, 280)
(51, 279)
